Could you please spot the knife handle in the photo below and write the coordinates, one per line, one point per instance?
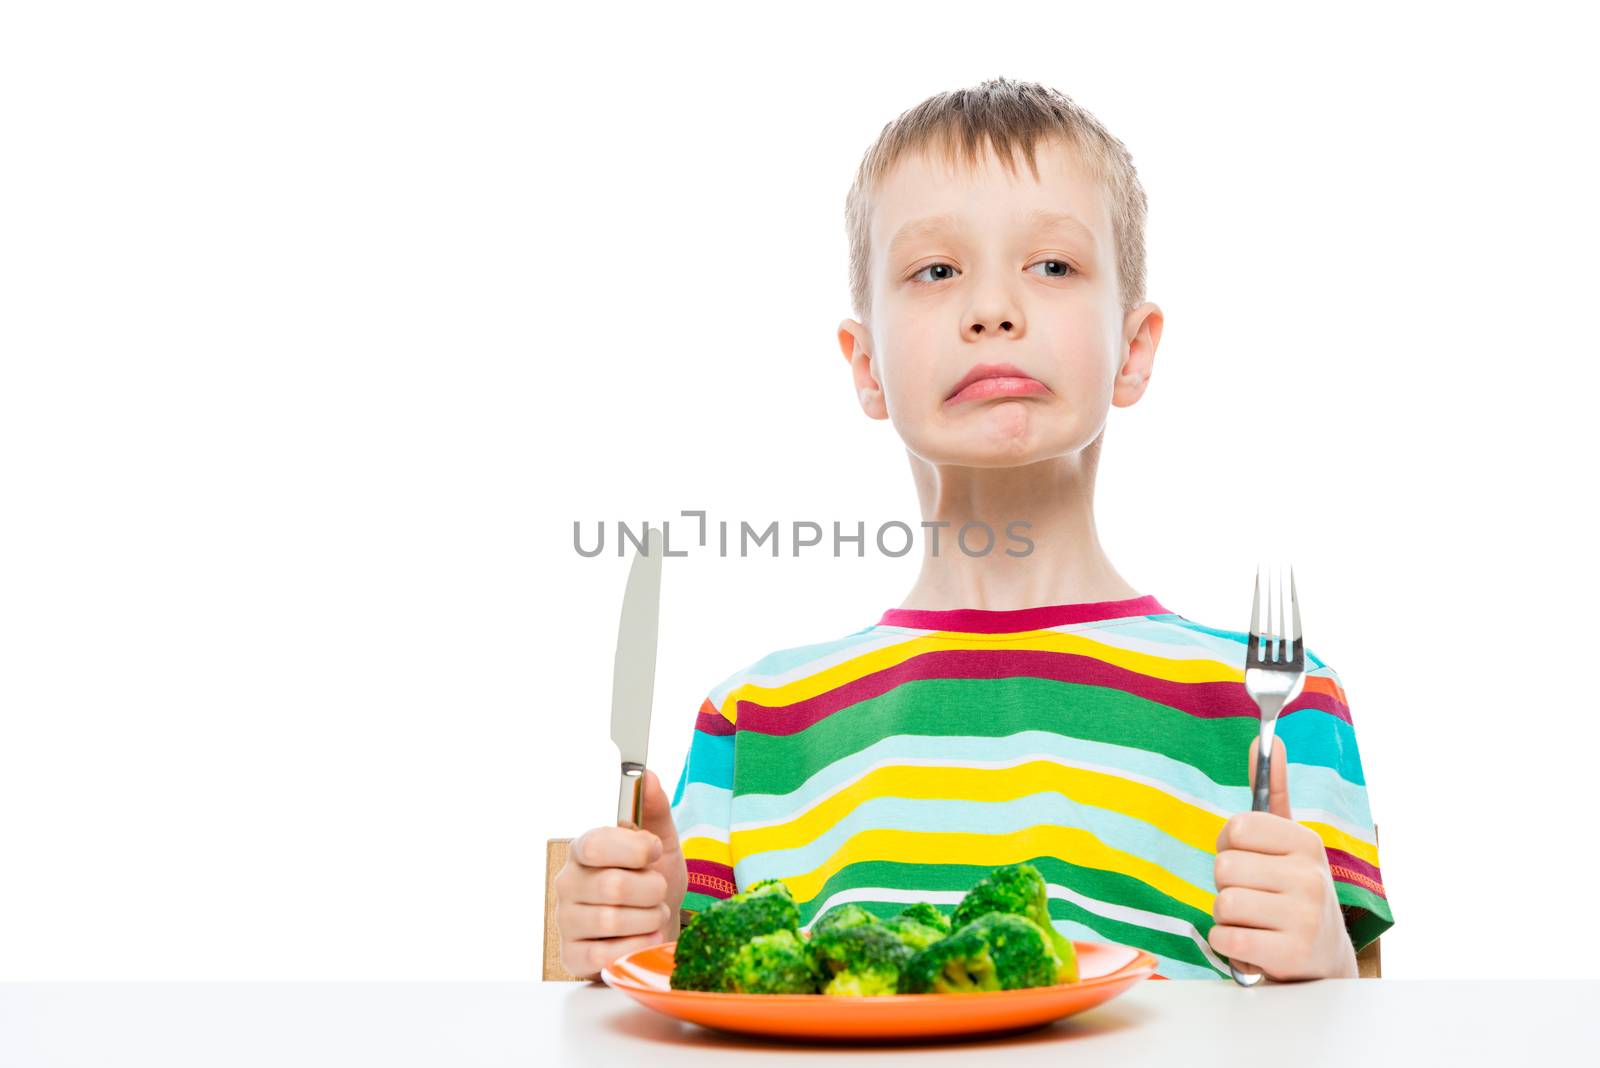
(630, 795)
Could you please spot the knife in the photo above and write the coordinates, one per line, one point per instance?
(633, 674)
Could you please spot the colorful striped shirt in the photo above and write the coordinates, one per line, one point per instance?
(1105, 743)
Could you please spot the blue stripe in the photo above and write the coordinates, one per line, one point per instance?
(710, 760)
(683, 777)
(700, 803)
(1158, 630)
(1312, 736)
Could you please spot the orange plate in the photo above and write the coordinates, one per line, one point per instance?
(1104, 971)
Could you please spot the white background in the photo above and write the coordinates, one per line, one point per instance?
(324, 322)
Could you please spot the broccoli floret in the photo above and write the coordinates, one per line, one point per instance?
(927, 915)
(842, 916)
(707, 946)
(863, 959)
(1019, 889)
(862, 984)
(997, 951)
(915, 935)
(776, 963)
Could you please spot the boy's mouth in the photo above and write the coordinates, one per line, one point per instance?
(994, 380)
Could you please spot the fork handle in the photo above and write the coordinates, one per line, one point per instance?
(1260, 801)
(1261, 795)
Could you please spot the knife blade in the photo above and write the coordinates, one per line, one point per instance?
(633, 674)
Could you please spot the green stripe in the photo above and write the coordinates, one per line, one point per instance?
(1108, 886)
(993, 708)
(1164, 943)
(1373, 923)
(1354, 894)
(1091, 882)
(696, 901)
(1365, 930)
(1125, 890)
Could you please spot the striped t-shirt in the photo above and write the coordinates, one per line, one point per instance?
(1105, 743)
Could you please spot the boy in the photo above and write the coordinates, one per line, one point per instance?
(1013, 707)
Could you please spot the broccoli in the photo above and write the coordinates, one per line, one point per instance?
(1019, 889)
(842, 916)
(776, 963)
(927, 915)
(913, 933)
(707, 946)
(916, 925)
(996, 951)
(860, 959)
(1002, 940)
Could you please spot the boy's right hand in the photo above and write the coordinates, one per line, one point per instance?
(621, 887)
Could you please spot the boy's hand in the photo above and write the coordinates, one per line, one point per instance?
(1275, 908)
(621, 887)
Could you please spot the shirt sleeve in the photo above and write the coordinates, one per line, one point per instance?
(702, 806)
(1328, 794)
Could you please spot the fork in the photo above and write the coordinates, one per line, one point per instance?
(1274, 674)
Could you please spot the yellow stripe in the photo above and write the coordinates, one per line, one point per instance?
(992, 851)
(1337, 839)
(801, 689)
(1194, 826)
(707, 849)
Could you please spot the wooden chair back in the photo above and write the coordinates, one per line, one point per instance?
(555, 858)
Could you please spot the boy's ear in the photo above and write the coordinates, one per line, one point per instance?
(855, 342)
(1141, 328)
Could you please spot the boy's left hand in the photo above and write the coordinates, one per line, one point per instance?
(1275, 908)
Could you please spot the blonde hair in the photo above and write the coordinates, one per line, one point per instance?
(1010, 115)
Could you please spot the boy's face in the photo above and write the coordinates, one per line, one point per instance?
(997, 282)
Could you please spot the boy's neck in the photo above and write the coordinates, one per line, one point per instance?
(1066, 564)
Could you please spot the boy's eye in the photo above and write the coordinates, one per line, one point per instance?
(1065, 270)
(932, 267)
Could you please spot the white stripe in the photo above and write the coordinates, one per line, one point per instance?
(1123, 913)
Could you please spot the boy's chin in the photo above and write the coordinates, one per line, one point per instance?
(996, 439)
(965, 451)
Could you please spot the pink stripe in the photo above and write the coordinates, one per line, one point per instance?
(990, 621)
(1209, 700)
(709, 867)
(709, 877)
(712, 723)
(1365, 875)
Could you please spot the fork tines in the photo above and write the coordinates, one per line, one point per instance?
(1268, 649)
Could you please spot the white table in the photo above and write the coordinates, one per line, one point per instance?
(1340, 1022)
